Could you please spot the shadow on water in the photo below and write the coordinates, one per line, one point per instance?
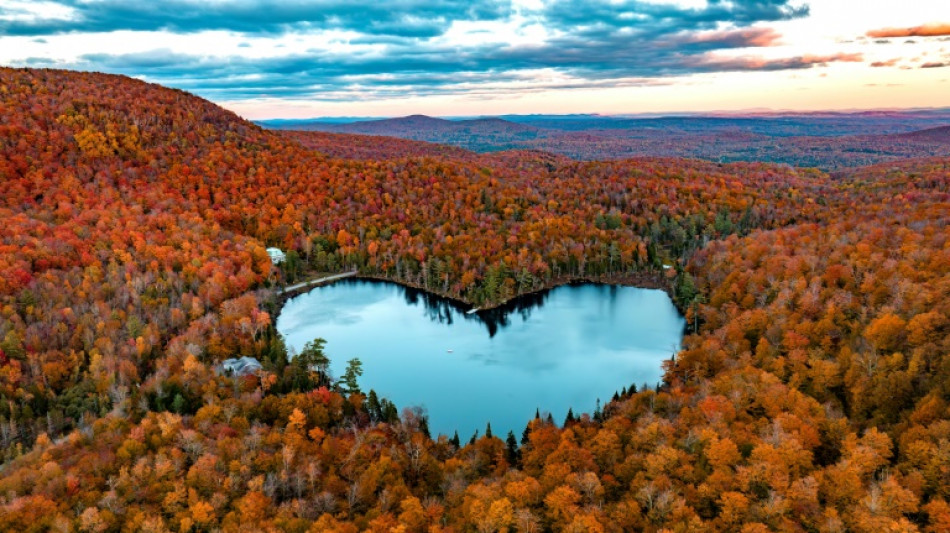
(446, 310)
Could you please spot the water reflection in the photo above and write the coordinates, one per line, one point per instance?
(522, 306)
(447, 310)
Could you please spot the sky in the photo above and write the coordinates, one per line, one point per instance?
(310, 58)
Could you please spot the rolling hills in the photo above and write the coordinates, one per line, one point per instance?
(485, 134)
(812, 392)
(826, 141)
(934, 135)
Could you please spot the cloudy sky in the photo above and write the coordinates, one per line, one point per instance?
(304, 58)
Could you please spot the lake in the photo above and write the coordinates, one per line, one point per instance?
(562, 348)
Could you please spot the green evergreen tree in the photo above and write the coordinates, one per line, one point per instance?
(686, 289)
(178, 404)
(311, 367)
(374, 407)
(569, 419)
(512, 455)
(424, 426)
(390, 413)
(354, 369)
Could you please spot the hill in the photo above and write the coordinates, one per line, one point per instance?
(484, 134)
(936, 135)
(829, 141)
(373, 147)
(825, 152)
(811, 392)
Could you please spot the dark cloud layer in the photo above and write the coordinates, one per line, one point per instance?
(597, 43)
(407, 18)
(649, 18)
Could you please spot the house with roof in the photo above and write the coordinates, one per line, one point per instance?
(241, 366)
(277, 256)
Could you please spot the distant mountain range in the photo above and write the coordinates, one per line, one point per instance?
(778, 123)
(481, 134)
(423, 125)
(825, 140)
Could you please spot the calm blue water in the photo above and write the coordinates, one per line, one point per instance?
(564, 348)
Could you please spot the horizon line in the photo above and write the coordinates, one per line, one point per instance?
(646, 114)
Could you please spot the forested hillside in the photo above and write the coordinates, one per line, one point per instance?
(811, 394)
(826, 141)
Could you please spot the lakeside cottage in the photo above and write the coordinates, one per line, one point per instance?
(277, 256)
(241, 366)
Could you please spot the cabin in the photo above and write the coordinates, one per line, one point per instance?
(277, 256)
(241, 366)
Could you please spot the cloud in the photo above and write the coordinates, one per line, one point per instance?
(404, 18)
(647, 16)
(887, 63)
(411, 50)
(324, 76)
(408, 18)
(749, 37)
(927, 30)
(756, 63)
(935, 65)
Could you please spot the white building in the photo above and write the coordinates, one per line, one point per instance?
(277, 256)
(240, 367)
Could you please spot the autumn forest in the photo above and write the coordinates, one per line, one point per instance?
(811, 394)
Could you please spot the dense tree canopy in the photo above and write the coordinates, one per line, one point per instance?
(812, 394)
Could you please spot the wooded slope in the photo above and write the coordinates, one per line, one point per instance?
(812, 397)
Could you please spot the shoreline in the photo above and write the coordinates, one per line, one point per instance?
(651, 279)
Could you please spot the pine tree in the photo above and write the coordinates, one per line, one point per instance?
(513, 456)
(354, 369)
(424, 426)
(569, 419)
(178, 404)
(390, 413)
(373, 406)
